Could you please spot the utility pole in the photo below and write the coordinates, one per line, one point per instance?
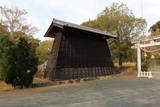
(142, 8)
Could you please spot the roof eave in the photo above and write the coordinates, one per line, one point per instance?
(62, 24)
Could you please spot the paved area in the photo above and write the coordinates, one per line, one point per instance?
(116, 92)
(156, 75)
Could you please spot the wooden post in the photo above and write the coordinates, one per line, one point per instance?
(138, 59)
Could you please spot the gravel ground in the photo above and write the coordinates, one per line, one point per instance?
(115, 92)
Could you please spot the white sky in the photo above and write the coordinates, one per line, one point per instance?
(41, 12)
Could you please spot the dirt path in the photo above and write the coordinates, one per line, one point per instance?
(115, 92)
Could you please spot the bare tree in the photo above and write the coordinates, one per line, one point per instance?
(14, 19)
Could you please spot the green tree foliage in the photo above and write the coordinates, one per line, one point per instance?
(15, 21)
(18, 61)
(146, 63)
(155, 29)
(44, 50)
(19, 64)
(5, 46)
(120, 21)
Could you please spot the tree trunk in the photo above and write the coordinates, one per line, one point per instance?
(120, 61)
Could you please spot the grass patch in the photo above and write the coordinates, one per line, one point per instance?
(5, 87)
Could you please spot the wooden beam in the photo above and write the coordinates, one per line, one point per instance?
(150, 44)
(146, 45)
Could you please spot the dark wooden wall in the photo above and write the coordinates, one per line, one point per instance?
(81, 55)
(52, 61)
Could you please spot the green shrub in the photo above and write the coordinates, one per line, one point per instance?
(5, 46)
(19, 64)
(146, 61)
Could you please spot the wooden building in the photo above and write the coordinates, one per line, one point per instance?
(78, 52)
